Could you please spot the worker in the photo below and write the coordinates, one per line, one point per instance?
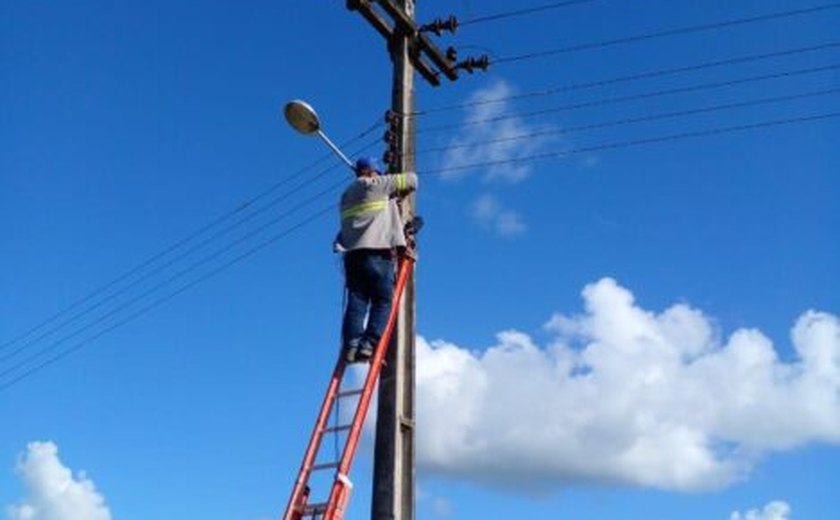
(371, 236)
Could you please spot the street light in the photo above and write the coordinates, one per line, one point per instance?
(302, 117)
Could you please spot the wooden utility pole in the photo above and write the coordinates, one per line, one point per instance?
(411, 49)
(393, 464)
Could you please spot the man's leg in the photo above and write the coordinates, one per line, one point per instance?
(381, 291)
(353, 325)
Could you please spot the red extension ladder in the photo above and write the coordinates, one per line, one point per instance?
(334, 506)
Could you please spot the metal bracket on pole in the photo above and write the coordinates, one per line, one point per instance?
(424, 54)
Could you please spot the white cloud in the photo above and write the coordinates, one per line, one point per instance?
(488, 141)
(776, 510)
(53, 492)
(489, 212)
(625, 395)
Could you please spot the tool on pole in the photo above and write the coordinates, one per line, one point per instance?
(303, 118)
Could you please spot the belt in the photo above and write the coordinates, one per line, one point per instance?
(383, 253)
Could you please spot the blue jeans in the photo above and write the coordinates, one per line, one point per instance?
(370, 287)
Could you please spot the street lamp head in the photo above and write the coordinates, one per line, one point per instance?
(302, 117)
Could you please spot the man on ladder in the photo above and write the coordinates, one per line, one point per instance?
(371, 234)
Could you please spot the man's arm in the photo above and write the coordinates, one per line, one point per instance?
(397, 184)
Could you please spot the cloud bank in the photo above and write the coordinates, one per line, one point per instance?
(53, 493)
(776, 510)
(624, 395)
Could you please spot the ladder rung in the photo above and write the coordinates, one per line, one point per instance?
(326, 465)
(315, 509)
(349, 393)
(336, 429)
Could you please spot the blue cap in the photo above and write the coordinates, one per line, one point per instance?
(363, 163)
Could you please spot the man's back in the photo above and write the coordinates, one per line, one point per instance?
(370, 218)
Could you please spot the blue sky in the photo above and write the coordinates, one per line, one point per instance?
(636, 332)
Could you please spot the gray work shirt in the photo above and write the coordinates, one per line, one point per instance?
(370, 218)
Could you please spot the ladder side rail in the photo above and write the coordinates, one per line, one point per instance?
(339, 494)
(293, 511)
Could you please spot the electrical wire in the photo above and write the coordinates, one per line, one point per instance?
(642, 119)
(283, 182)
(183, 272)
(634, 97)
(520, 12)
(180, 274)
(639, 142)
(567, 130)
(180, 243)
(312, 217)
(184, 254)
(608, 146)
(562, 89)
(273, 188)
(160, 301)
(667, 33)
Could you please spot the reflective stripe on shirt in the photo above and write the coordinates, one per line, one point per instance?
(358, 209)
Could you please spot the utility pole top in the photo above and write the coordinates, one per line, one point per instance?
(423, 53)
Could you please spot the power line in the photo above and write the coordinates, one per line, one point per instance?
(159, 269)
(276, 186)
(632, 77)
(44, 364)
(640, 142)
(521, 12)
(667, 33)
(168, 281)
(567, 130)
(634, 97)
(184, 254)
(628, 121)
(524, 11)
(536, 157)
(76, 317)
(179, 244)
(137, 281)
